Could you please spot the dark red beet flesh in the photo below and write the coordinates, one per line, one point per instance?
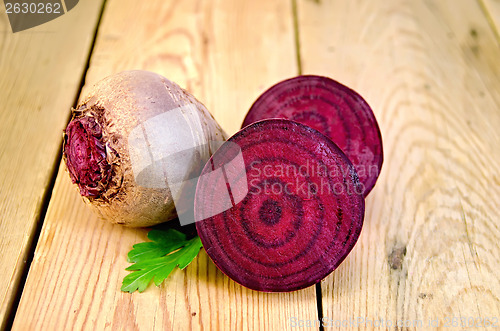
(295, 206)
(85, 155)
(333, 109)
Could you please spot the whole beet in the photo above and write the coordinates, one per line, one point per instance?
(134, 136)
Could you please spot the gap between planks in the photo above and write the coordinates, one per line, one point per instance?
(11, 313)
(296, 35)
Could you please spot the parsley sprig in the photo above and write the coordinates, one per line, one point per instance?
(155, 260)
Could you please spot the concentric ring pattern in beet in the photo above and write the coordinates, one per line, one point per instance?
(333, 109)
(278, 206)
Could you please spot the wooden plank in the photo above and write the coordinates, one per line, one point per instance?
(75, 278)
(492, 12)
(429, 248)
(41, 70)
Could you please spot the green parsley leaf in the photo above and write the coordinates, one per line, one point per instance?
(162, 243)
(154, 261)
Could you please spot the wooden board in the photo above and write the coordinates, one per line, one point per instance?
(429, 248)
(492, 12)
(226, 53)
(41, 69)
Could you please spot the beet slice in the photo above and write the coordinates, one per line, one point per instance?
(278, 206)
(333, 109)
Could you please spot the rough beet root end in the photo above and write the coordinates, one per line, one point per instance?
(85, 155)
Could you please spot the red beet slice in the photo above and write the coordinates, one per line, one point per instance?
(278, 206)
(333, 109)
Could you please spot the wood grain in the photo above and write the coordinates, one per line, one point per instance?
(41, 70)
(225, 53)
(429, 247)
(492, 12)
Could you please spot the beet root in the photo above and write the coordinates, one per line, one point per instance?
(278, 206)
(333, 109)
(133, 136)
